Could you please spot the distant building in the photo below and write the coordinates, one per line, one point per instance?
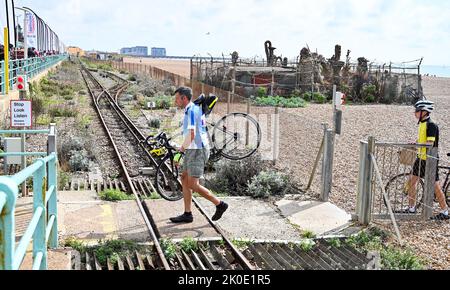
(158, 51)
(76, 51)
(135, 51)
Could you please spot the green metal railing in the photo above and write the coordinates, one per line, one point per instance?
(29, 67)
(42, 230)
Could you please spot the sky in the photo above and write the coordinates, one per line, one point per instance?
(380, 30)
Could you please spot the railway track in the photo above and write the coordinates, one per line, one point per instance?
(209, 255)
(132, 156)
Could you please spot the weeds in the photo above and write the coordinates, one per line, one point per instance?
(169, 249)
(75, 244)
(335, 243)
(392, 258)
(113, 250)
(242, 245)
(309, 235)
(278, 101)
(307, 246)
(188, 245)
(114, 195)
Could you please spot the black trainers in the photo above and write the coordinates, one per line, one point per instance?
(185, 218)
(221, 209)
(441, 217)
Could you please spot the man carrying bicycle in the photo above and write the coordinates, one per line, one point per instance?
(196, 149)
(428, 134)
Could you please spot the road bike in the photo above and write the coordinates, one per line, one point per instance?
(397, 188)
(234, 137)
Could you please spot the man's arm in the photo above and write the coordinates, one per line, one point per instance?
(188, 140)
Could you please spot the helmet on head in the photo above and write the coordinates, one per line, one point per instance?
(424, 105)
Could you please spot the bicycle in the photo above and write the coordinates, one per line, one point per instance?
(401, 183)
(235, 137)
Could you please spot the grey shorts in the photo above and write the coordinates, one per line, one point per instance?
(194, 162)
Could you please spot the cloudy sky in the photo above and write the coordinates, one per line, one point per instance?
(381, 30)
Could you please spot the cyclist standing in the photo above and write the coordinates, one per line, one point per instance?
(196, 149)
(428, 134)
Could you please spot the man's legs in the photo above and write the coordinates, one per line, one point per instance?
(412, 193)
(440, 196)
(187, 217)
(221, 207)
(187, 192)
(194, 184)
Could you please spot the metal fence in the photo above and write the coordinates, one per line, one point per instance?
(42, 230)
(29, 67)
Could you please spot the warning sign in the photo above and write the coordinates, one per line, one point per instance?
(21, 114)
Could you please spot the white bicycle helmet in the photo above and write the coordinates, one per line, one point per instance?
(424, 105)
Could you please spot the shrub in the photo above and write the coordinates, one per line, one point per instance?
(154, 123)
(278, 101)
(63, 111)
(233, 176)
(114, 195)
(75, 244)
(261, 92)
(369, 92)
(79, 161)
(315, 97)
(132, 78)
(163, 102)
(268, 183)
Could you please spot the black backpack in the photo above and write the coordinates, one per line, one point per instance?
(207, 103)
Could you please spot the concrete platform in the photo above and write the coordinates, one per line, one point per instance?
(83, 216)
(56, 259)
(252, 219)
(318, 217)
(162, 211)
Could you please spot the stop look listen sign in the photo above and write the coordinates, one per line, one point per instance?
(21, 114)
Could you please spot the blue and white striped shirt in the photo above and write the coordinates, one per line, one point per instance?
(195, 120)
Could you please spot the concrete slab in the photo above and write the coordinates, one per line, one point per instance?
(82, 216)
(318, 217)
(252, 219)
(162, 211)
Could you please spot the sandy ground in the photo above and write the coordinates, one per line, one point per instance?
(179, 67)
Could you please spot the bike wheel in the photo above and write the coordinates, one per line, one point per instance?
(167, 184)
(237, 136)
(447, 194)
(397, 191)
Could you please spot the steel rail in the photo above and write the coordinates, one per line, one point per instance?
(86, 74)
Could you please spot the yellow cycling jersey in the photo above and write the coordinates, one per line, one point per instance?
(428, 132)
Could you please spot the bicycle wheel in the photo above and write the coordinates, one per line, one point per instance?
(237, 136)
(167, 183)
(397, 191)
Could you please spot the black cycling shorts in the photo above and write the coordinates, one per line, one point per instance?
(420, 167)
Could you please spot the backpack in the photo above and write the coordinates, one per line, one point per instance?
(207, 103)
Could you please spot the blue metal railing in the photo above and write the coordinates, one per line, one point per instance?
(30, 67)
(43, 227)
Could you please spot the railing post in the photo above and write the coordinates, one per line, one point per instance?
(39, 196)
(430, 182)
(7, 223)
(53, 181)
(327, 166)
(364, 204)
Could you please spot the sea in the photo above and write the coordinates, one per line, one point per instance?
(436, 70)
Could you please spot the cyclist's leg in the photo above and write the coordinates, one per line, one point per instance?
(418, 171)
(187, 192)
(203, 191)
(440, 196)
